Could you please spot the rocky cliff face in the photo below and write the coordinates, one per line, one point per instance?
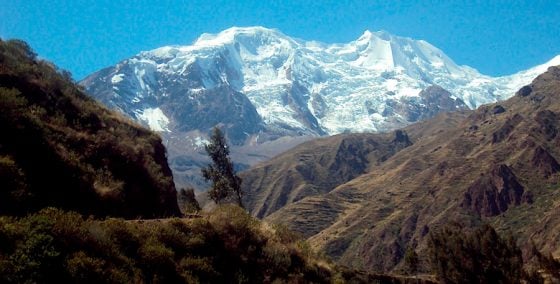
(494, 192)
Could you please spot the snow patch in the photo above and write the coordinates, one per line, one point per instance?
(117, 78)
(155, 119)
(200, 142)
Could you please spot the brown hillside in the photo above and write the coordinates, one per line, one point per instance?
(315, 168)
(498, 165)
(60, 148)
(318, 166)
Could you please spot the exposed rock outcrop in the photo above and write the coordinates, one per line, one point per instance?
(545, 163)
(430, 101)
(495, 192)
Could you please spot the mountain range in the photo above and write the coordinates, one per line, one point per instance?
(269, 91)
(381, 194)
(474, 148)
(370, 201)
(87, 196)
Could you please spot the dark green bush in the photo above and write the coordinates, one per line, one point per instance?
(480, 256)
(53, 246)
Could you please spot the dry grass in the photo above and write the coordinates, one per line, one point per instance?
(72, 152)
(426, 183)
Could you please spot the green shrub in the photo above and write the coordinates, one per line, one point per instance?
(198, 269)
(480, 256)
(156, 261)
(86, 269)
(227, 245)
(35, 257)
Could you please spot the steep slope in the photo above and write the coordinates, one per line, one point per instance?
(499, 165)
(260, 85)
(315, 168)
(61, 148)
(320, 165)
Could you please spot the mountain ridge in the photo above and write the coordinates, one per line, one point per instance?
(260, 85)
(497, 165)
(254, 59)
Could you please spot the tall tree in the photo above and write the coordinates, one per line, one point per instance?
(226, 185)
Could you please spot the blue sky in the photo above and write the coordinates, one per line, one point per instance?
(83, 36)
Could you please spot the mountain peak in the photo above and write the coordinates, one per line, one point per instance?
(302, 86)
(366, 35)
(232, 34)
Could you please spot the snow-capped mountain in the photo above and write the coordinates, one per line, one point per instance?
(260, 84)
(303, 86)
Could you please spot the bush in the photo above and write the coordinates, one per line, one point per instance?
(480, 256)
(228, 244)
(85, 269)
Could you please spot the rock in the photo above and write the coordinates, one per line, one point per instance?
(524, 91)
(548, 123)
(498, 109)
(494, 193)
(544, 162)
(430, 102)
(401, 138)
(506, 129)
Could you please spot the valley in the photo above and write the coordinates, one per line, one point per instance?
(377, 160)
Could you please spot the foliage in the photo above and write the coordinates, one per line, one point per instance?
(480, 256)
(61, 148)
(227, 245)
(187, 201)
(225, 182)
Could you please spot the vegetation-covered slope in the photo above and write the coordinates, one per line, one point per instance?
(498, 166)
(223, 246)
(58, 147)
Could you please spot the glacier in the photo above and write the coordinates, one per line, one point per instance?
(339, 87)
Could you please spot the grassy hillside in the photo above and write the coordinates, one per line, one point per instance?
(58, 147)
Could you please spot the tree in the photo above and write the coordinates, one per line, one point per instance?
(226, 185)
(187, 201)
